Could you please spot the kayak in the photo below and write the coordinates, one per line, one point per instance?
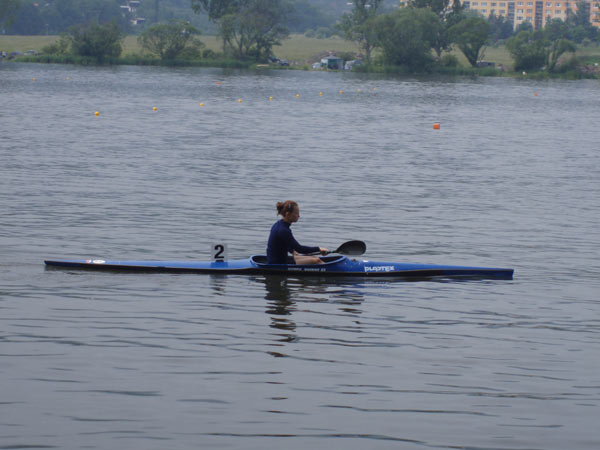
(257, 264)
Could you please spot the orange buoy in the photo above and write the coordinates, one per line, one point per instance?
(436, 126)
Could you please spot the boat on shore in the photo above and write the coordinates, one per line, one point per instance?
(337, 265)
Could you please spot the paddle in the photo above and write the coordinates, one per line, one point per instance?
(352, 248)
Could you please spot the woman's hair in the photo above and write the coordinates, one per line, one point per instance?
(285, 207)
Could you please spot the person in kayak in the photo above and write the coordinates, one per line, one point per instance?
(281, 239)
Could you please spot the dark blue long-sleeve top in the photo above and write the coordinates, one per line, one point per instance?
(282, 242)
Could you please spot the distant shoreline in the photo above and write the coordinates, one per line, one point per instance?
(301, 52)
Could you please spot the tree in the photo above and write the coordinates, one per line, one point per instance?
(406, 37)
(581, 16)
(448, 15)
(8, 9)
(470, 35)
(248, 28)
(541, 48)
(500, 28)
(358, 25)
(96, 41)
(579, 23)
(169, 40)
(528, 52)
(556, 49)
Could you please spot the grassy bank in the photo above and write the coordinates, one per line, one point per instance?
(298, 48)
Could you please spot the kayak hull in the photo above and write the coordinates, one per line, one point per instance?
(256, 265)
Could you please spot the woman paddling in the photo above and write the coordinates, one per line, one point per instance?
(281, 239)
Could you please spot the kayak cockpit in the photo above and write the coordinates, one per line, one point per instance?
(261, 261)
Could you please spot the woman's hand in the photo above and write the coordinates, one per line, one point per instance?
(323, 250)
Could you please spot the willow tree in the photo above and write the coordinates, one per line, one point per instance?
(406, 37)
(168, 40)
(449, 14)
(248, 28)
(359, 25)
(470, 35)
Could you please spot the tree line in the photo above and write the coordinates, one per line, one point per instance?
(416, 38)
(40, 17)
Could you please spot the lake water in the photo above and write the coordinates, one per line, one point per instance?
(164, 361)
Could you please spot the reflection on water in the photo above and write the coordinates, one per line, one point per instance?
(280, 307)
(282, 294)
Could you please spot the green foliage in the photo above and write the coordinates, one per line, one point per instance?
(58, 48)
(528, 53)
(470, 35)
(449, 61)
(556, 49)
(500, 28)
(98, 42)
(323, 33)
(168, 41)
(448, 16)
(359, 25)
(209, 54)
(248, 28)
(406, 37)
(543, 48)
(523, 26)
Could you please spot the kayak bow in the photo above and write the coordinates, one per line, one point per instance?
(257, 264)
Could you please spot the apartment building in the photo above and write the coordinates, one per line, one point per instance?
(537, 12)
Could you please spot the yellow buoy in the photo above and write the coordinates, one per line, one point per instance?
(239, 100)
(33, 78)
(297, 95)
(97, 113)
(358, 90)
(154, 109)
(436, 126)
(341, 92)
(374, 89)
(321, 94)
(201, 104)
(271, 98)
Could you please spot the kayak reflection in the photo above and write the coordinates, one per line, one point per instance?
(284, 293)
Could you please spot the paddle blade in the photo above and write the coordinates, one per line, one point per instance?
(351, 248)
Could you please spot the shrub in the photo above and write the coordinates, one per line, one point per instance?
(98, 42)
(449, 61)
(59, 48)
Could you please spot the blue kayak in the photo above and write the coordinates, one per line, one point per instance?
(257, 264)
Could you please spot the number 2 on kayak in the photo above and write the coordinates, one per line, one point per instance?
(219, 252)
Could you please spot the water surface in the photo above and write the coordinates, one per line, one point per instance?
(151, 361)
